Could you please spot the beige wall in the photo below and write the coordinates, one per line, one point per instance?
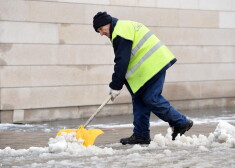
(53, 65)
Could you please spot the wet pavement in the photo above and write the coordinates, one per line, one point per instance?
(26, 136)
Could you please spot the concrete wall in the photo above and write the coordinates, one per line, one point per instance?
(54, 66)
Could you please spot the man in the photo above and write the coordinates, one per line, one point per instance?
(141, 61)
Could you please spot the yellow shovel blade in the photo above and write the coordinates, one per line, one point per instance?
(89, 136)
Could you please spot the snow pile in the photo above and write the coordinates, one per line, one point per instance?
(22, 152)
(224, 134)
(65, 143)
(61, 145)
(70, 144)
(12, 152)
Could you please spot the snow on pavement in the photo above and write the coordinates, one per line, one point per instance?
(215, 150)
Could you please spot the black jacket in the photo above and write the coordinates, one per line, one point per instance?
(122, 50)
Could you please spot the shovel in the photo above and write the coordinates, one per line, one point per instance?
(89, 136)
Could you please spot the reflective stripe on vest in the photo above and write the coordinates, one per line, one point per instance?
(149, 53)
(141, 42)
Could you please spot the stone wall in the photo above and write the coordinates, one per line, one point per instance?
(53, 65)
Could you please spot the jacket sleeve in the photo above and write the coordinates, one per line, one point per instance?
(122, 51)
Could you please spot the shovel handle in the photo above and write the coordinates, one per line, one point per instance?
(97, 111)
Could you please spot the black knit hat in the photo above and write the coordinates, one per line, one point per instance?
(101, 19)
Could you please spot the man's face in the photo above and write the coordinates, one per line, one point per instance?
(104, 30)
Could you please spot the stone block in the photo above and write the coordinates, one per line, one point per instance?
(195, 36)
(28, 76)
(14, 10)
(200, 72)
(147, 3)
(218, 89)
(216, 103)
(41, 11)
(199, 90)
(25, 32)
(203, 54)
(188, 4)
(15, 98)
(195, 18)
(47, 114)
(224, 37)
(227, 19)
(6, 116)
(85, 54)
(191, 106)
(182, 90)
(80, 34)
(28, 54)
(160, 17)
(18, 116)
(223, 5)
(43, 54)
(177, 36)
(232, 5)
(56, 12)
(13, 76)
(168, 3)
(185, 105)
(103, 2)
(71, 75)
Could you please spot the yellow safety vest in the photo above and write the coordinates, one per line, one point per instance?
(148, 56)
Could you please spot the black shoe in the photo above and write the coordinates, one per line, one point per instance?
(181, 130)
(135, 140)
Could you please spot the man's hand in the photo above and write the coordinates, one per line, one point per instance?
(114, 93)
